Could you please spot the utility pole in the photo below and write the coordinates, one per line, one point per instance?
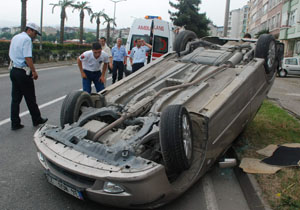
(115, 2)
(41, 26)
(226, 18)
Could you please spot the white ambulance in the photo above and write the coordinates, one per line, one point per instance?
(155, 31)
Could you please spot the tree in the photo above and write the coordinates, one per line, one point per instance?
(188, 16)
(264, 31)
(97, 16)
(63, 4)
(109, 20)
(23, 14)
(81, 6)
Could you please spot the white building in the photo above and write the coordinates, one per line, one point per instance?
(234, 24)
(213, 29)
(237, 22)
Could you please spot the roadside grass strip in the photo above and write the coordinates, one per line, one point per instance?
(273, 125)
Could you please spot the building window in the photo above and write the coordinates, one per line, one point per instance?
(265, 8)
(278, 20)
(292, 20)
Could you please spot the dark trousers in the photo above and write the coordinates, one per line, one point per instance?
(137, 66)
(118, 70)
(22, 85)
(92, 76)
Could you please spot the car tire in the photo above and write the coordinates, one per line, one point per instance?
(176, 138)
(266, 49)
(283, 73)
(71, 107)
(182, 39)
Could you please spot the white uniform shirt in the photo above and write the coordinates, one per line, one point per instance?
(139, 54)
(107, 50)
(90, 63)
(20, 48)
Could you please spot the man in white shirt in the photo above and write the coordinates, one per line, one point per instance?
(138, 54)
(106, 49)
(89, 65)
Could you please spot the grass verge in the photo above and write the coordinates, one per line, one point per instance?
(273, 125)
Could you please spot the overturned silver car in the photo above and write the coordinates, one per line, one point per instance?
(145, 140)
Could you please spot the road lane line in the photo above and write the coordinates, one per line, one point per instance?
(209, 193)
(292, 94)
(43, 69)
(40, 107)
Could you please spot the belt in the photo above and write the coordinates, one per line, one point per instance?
(17, 67)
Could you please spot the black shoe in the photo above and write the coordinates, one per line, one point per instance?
(40, 121)
(17, 127)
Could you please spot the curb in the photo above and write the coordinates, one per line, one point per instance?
(250, 187)
(251, 190)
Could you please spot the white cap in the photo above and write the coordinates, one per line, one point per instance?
(34, 27)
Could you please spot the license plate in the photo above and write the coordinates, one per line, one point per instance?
(63, 186)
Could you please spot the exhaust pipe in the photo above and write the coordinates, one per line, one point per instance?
(227, 163)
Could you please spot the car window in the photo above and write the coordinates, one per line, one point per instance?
(160, 44)
(291, 61)
(134, 37)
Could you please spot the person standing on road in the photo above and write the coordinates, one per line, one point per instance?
(119, 55)
(22, 74)
(107, 50)
(138, 54)
(89, 65)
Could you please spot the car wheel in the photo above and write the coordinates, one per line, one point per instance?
(266, 49)
(176, 138)
(182, 39)
(283, 73)
(71, 107)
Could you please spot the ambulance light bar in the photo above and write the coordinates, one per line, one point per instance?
(152, 17)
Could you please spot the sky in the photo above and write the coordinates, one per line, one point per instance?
(126, 11)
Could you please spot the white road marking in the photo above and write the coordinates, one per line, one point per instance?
(293, 94)
(40, 107)
(209, 193)
(43, 69)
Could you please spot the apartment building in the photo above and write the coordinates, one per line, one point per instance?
(290, 29)
(265, 15)
(237, 22)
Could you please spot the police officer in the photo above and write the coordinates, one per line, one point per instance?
(22, 74)
(119, 55)
(89, 65)
(138, 54)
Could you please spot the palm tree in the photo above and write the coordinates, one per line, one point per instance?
(97, 15)
(63, 4)
(23, 14)
(81, 6)
(109, 20)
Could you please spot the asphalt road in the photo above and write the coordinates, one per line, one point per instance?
(23, 184)
(286, 91)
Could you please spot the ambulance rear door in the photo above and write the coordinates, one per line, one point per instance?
(162, 42)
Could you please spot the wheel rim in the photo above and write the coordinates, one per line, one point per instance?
(271, 55)
(282, 73)
(187, 137)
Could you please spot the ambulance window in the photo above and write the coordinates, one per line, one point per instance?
(134, 37)
(160, 44)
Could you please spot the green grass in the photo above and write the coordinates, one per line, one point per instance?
(273, 125)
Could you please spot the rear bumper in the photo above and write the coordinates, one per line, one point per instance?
(142, 189)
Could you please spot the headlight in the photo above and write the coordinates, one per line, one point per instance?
(40, 156)
(110, 187)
